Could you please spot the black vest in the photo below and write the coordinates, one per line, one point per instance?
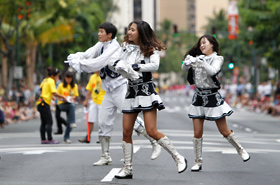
(105, 71)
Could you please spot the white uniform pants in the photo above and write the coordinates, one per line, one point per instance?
(112, 102)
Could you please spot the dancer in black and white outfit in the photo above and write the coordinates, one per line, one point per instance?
(136, 61)
(96, 59)
(203, 64)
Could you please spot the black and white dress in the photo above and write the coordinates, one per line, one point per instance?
(141, 94)
(207, 103)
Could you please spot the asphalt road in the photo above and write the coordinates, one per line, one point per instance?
(24, 161)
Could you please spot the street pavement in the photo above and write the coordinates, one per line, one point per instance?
(24, 161)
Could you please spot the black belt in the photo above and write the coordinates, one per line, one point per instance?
(206, 91)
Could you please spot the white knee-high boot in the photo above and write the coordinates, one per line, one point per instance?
(105, 157)
(127, 171)
(180, 161)
(232, 139)
(197, 146)
(141, 130)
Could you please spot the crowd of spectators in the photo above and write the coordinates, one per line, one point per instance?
(20, 105)
(266, 100)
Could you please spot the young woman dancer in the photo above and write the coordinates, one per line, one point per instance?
(204, 63)
(43, 102)
(69, 89)
(136, 60)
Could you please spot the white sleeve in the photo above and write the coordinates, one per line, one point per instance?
(186, 64)
(89, 53)
(97, 63)
(152, 65)
(115, 57)
(215, 67)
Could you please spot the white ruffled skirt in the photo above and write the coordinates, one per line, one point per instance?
(210, 106)
(141, 96)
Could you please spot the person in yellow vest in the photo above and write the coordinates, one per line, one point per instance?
(69, 89)
(95, 91)
(47, 91)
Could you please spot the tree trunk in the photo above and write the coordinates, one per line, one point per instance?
(31, 49)
(12, 58)
(4, 75)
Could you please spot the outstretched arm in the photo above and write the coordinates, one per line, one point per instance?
(89, 61)
(214, 68)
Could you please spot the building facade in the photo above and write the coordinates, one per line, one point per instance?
(188, 15)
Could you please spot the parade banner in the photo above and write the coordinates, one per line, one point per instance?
(232, 20)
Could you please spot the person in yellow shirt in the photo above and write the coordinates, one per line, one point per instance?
(43, 103)
(95, 91)
(69, 89)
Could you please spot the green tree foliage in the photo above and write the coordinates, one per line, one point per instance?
(58, 27)
(176, 47)
(263, 18)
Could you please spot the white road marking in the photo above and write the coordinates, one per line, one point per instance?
(212, 143)
(33, 152)
(135, 149)
(234, 125)
(248, 129)
(109, 177)
(177, 108)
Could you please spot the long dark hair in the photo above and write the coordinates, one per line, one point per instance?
(69, 74)
(195, 50)
(148, 40)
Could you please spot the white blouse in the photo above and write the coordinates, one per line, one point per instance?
(131, 54)
(204, 67)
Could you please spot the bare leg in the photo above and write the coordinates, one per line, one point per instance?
(128, 123)
(150, 120)
(222, 126)
(198, 128)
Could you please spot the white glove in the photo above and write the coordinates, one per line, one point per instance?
(189, 60)
(71, 57)
(75, 64)
(126, 71)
